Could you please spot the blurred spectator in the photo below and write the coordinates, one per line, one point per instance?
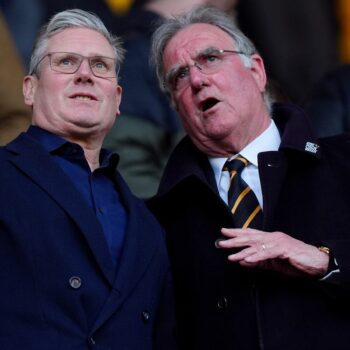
(120, 7)
(329, 103)
(148, 128)
(14, 115)
(23, 19)
(111, 20)
(297, 38)
(343, 17)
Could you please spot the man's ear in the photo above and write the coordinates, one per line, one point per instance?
(258, 71)
(29, 88)
(119, 98)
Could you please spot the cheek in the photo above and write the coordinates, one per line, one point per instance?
(51, 91)
(113, 96)
(185, 105)
(190, 122)
(45, 98)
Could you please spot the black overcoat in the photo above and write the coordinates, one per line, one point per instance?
(306, 194)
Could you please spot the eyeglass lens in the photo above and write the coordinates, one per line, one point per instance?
(66, 62)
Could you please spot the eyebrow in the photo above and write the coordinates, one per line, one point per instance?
(207, 51)
(175, 69)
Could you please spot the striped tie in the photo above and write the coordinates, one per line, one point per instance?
(244, 205)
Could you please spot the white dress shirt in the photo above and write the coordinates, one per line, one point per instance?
(269, 140)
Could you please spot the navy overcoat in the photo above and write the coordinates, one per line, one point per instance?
(59, 290)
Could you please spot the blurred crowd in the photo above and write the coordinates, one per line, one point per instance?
(305, 45)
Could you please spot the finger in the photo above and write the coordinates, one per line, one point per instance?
(234, 232)
(243, 254)
(254, 254)
(241, 240)
(230, 232)
(248, 264)
(236, 242)
(265, 251)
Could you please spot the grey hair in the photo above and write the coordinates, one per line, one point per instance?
(202, 14)
(71, 19)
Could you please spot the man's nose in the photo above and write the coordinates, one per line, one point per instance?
(197, 78)
(84, 71)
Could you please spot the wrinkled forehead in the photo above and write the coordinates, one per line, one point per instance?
(187, 43)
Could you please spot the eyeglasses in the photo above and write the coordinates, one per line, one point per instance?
(69, 63)
(207, 62)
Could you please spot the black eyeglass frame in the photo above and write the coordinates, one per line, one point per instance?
(82, 57)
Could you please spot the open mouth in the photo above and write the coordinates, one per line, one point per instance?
(208, 103)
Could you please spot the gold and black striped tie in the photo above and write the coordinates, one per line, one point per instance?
(244, 205)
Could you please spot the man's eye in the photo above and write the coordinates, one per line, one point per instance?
(181, 74)
(210, 58)
(100, 65)
(66, 61)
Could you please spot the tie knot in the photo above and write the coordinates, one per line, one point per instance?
(237, 164)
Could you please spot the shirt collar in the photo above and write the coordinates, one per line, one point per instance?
(269, 140)
(56, 144)
(48, 140)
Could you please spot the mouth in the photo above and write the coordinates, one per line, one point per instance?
(208, 103)
(83, 97)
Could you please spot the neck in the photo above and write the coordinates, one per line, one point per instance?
(232, 144)
(92, 156)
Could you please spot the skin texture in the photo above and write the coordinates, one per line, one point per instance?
(53, 97)
(225, 129)
(240, 116)
(275, 251)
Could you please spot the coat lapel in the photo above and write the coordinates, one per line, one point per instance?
(139, 249)
(272, 171)
(34, 161)
(187, 161)
(297, 142)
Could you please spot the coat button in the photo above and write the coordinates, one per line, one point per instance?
(91, 341)
(222, 303)
(75, 282)
(273, 165)
(145, 316)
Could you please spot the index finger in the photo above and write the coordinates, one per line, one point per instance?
(234, 232)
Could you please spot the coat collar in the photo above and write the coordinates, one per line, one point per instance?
(295, 129)
(187, 160)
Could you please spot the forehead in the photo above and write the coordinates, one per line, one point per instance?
(189, 41)
(80, 40)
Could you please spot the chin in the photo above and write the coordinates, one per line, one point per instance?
(217, 132)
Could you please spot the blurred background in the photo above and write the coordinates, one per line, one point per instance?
(299, 40)
(305, 45)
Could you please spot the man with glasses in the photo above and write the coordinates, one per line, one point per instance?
(83, 263)
(255, 207)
